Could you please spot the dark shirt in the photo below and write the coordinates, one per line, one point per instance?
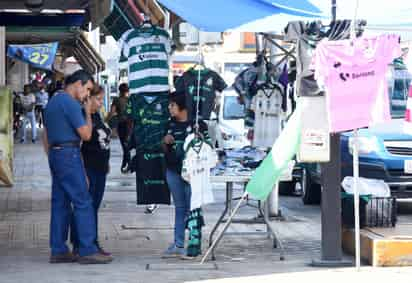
(210, 82)
(180, 130)
(63, 116)
(121, 104)
(96, 151)
(149, 120)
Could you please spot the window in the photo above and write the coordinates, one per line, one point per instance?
(398, 91)
(232, 109)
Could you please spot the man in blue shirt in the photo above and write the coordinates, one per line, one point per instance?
(65, 128)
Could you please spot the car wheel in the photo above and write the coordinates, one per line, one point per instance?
(287, 188)
(311, 192)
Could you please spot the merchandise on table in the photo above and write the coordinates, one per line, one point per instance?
(147, 50)
(353, 73)
(210, 82)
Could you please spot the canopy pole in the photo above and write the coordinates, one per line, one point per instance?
(2, 55)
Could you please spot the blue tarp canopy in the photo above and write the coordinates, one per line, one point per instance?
(219, 16)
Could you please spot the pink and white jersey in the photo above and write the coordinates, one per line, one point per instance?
(353, 73)
(408, 113)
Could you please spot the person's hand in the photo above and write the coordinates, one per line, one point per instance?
(169, 139)
(250, 134)
(87, 105)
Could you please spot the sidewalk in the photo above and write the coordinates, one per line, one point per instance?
(24, 234)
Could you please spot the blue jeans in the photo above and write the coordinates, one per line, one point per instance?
(97, 184)
(29, 117)
(70, 194)
(181, 193)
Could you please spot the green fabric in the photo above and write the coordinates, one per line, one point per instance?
(6, 137)
(272, 167)
(148, 81)
(149, 120)
(194, 224)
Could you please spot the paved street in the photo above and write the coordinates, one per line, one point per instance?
(24, 230)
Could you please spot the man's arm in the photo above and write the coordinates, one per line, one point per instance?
(85, 132)
(45, 142)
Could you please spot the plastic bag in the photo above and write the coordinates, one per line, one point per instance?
(374, 187)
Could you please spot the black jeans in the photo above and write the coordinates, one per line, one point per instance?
(123, 132)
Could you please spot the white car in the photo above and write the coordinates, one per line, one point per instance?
(231, 131)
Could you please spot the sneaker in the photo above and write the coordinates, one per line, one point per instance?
(101, 250)
(62, 258)
(173, 251)
(22, 141)
(96, 258)
(189, 257)
(150, 209)
(33, 141)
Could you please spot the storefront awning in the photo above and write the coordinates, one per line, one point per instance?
(219, 16)
(86, 55)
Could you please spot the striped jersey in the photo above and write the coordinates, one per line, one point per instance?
(147, 50)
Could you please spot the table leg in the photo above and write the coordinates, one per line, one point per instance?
(228, 207)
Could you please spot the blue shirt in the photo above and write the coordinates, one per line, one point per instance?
(63, 117)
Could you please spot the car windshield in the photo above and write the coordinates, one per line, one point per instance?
(398, 92)
(232, 109)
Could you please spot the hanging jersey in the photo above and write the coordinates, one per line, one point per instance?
(147, 50)
(210, 82)
(353, 73)
(200, 158)
(151, 185)
(149, 120)
(194, 224)
(266, 106)
(180, 130)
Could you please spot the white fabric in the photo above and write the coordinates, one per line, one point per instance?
(267, 107)
(27, 100)
(196, 171)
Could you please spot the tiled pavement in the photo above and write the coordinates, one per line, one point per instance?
(24, 226)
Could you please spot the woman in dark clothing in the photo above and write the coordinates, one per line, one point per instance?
(119, 109)
(96, 155)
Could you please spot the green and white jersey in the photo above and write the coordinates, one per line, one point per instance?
(147, 50)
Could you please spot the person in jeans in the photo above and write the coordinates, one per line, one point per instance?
(178, 128)
(28, 101)
(96, 155)
(42, 97)
(123, 126)
(65, 128)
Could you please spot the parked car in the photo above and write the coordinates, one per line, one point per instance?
(385, 151)
(231, 131)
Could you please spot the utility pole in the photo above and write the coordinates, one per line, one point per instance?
(331, 233)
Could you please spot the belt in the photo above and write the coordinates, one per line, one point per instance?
(65, 144)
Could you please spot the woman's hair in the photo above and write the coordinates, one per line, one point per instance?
(96, 90)
(178, 98)
(123, 88)
(79, 75)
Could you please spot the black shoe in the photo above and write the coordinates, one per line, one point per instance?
(22, 141)
(62, 258)
(33, 141)
(96, 258)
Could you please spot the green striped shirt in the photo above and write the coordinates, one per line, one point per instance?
(147, 50)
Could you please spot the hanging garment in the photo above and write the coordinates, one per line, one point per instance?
(266, 106)
(210, 82)
(180, 130)
(314, 145)
(149, 119)
(407, 128)
(353, 73)
(151, 185)
(307, 36)
(194, 224)
(147, 50)
(200, 158)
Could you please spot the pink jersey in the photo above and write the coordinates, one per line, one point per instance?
(353, 73)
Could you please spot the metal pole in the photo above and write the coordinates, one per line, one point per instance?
(356, 196)
(2, 56)
(333, 10)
